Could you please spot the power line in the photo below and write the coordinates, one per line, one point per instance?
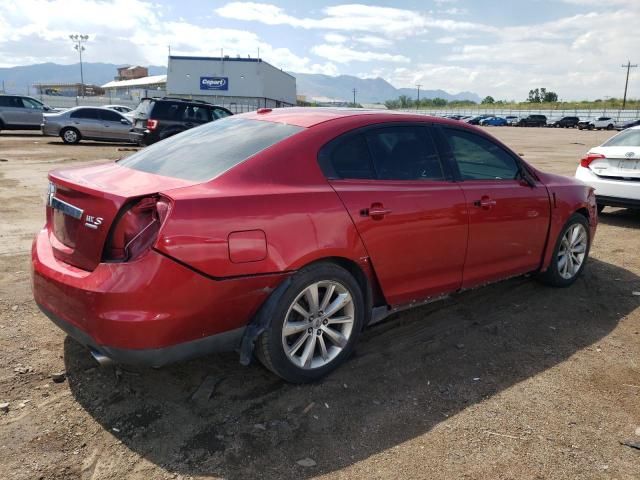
(628, 66)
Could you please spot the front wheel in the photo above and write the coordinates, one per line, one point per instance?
(315, 326)
(570, 253)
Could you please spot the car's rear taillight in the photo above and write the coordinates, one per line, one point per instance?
(590, 157)
(136, 229)
(152, 124)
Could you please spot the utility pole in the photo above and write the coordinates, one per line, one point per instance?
(628, 66)
(354, 98)
(78, 44)
(418, 101)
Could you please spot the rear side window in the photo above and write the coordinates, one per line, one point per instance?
(626, 138)
(404, 153)
(204, 152)
(10, 102)
(88, 113)
(168, 111)
(347, 157)
(479, 158)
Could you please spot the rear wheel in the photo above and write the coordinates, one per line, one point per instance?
(609, 127)
(315, 326)
(70, 136)
(570, 253)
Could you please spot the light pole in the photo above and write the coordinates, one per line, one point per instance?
(354, 98)
(78, 41)
(418, 100)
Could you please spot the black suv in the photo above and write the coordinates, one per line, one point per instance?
(158, 118)
(566, 122)
(533, 121)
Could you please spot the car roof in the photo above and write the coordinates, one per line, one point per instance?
(310, 116)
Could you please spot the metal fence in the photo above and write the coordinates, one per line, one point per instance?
(235, 104)
(586, 114)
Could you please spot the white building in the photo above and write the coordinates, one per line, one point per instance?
(240, 84)
(137, 88)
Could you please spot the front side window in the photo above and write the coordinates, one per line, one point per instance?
(109, 116)
(220, 113)
(204, 152)
(32, 104)
(478, 158)
(404, 153)
(196, 114)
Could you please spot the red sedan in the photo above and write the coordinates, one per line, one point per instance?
(284, 233)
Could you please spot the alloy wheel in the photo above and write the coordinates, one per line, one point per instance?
(318, 324)
(572, 252)
(70, 136)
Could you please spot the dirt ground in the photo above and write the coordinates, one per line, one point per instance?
(513, 381)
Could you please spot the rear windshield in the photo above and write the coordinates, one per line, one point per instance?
(626, 138)
(205, 152)
(142, 110)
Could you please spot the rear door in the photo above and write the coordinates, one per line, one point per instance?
(12, 110)
(410, 215)
(508, 219)
(87, 121)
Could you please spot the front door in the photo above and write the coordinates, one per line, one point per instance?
(112, 126)
(410, 215)
(508, 218)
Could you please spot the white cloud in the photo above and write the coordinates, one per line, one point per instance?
(34, 31)
(342, 54)
(389, 21)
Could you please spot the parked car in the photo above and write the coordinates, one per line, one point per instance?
(476, 120)
(18, 112)
(602, 123)
(565, 122)
(613, 169)
(585, 124)
(493, 122)
(87, 123)
(290, 230)
(158, 118)
(629, 124)
(533, 121)
(120, 108)
(512, 120)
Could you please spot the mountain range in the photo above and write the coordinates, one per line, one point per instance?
(314, 86)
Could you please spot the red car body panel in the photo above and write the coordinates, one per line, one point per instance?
(227, 243)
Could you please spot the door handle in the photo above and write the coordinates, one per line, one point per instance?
(376, 211)
(485, 202)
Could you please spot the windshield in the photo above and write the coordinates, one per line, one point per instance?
(205, 152)
(627, 138)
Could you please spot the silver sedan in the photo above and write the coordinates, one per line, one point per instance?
(87, 123)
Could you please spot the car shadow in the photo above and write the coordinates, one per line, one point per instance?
(408, 374)
(20, 133)
(620, 217)
(84, 143)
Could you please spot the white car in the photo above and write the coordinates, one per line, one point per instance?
(601, 123)
(512, 120)
(613, 169)
(119, 108)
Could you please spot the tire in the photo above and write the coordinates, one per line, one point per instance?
(70, 136)
(609, 127)
(285, 355)
(557, 275)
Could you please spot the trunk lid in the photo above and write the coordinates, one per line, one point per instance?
(619, 162)
(83, 203)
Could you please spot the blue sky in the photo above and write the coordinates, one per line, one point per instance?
(574, 47)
